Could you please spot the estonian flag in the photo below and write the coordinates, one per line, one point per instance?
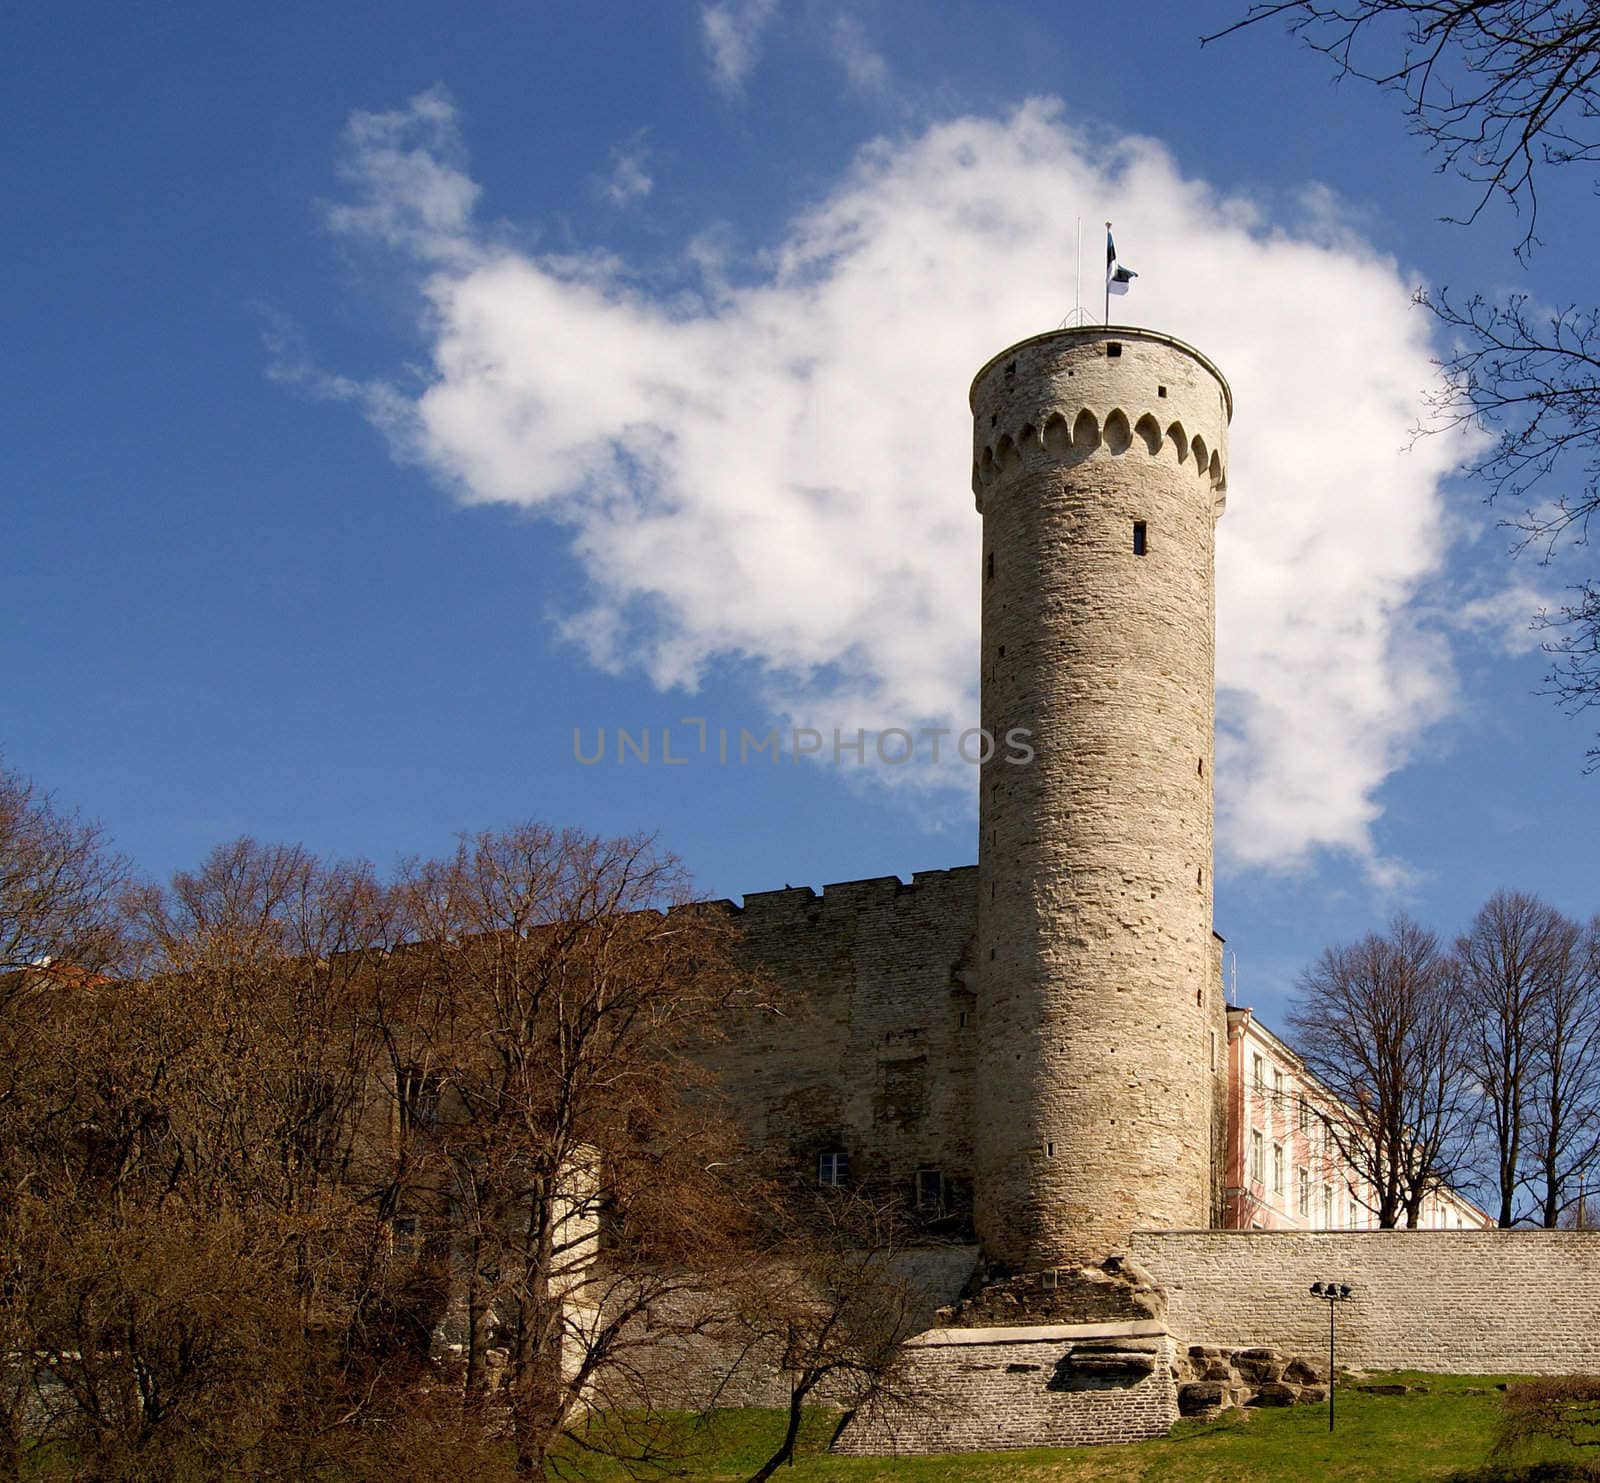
(1117, 277)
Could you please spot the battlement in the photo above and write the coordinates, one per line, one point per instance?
(801, 905)
(1064, 440)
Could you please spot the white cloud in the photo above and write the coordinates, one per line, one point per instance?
(777, 476)
(628, 180)
(406, 172)
(1507, 619)
(732, 31)
(863, 65)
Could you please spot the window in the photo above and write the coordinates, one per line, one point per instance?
(1256, 1147)
(403, 1233)
(1260, 1076)
(1305, 1114)
(1327, 1206)
(1113, 350)
(1305, 1192)
(833, 1168)
(1277, 1167)
(1138, 538)
(1213, 1050)
(930, 1189)
(1277, 1086)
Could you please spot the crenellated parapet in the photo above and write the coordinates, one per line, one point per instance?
(1062, 439)
(843, 903)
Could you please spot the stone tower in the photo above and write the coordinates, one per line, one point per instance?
(1099, 469)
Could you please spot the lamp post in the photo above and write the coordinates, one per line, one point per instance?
(1331, 1293)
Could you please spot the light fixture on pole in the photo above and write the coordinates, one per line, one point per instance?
(1331, 1293)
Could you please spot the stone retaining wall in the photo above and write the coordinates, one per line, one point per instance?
(1463, 1302)
(980, 1390)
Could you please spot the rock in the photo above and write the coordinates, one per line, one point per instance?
(1387, 1387)
(1199, 1397)
(1301, 1371)
(1275, 1394)
(1313, 1394)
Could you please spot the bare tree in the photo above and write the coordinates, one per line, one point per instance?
(1514, 961)
(59, 931)
(584, 1168)
(1501, 91)
(1375, 1021)
(59, 885)
(1498, 89)
(1564, 1112)
(827, 1306)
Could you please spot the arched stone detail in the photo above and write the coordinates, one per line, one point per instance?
(1118, 435)
(1057, 435)
(1148, 431)
(1085, 431)
(1179, 440)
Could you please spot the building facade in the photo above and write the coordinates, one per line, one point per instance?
(1284, 1170)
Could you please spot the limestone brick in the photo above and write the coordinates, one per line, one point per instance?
(1520, 1302)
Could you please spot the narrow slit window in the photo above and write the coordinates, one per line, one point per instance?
(1113, 350)
(1138, 538)
(988, 565)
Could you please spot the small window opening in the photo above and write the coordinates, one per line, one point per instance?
(1200, 876)
(1113, 350)
(988, 567)
(1138, 538)
(1002, 651)
(994, 419)
(1199, 767)
(930, 1189)
(961, 1020)
(1161, 391)
(1049, 1150)
(833, 1168)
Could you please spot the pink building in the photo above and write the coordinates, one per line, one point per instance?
(1283, 1171)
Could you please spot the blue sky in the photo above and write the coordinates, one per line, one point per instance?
(391, 390)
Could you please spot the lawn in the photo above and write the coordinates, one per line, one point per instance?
(1380, 1439)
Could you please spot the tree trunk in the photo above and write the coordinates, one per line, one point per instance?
(477, 1329)
(785, 1452)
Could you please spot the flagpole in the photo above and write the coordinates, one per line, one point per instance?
(1077, 280)
(1108, 279)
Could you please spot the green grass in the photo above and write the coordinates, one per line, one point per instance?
(1380, 1439)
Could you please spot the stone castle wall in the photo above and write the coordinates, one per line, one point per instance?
(1098, 468)
(1463, 1302)
(875, 1055)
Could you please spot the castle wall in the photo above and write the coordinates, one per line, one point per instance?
(1098, 467)
(1464, 1302)
(875, 1053)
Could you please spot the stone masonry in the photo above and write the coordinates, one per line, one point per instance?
(1523, 1302)
(1098, 467)
(967, 1390)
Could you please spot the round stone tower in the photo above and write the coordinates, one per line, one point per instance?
(1100, 458)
